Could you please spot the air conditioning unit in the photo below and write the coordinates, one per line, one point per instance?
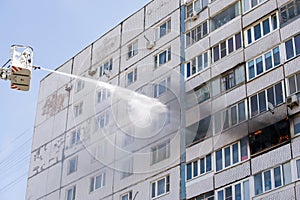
(292, 101)
(193, 16)
(92, 71)
(150, 44)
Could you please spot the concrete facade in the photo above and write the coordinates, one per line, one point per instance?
(240, 102)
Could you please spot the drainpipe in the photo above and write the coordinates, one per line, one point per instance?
(182, 103)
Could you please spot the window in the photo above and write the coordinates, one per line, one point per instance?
(225, 16)
(296, 124)
(206, 196)
(103, 119)
(228, 80)
(131, 77)
(195, 7)
(78, 109)
(79, 85)
(162, 87)
(160, 187)
(71, 193)
(263, 63)
(197, 33)
(198, 95)
(107, 66)
(127, 168)
(270, 136)
(230, 117)
(292, 47)
(97, 182)
(72, 165)
(197, 64)
(289, 11)
(163, 29)
(294, 84)
(298, 168)
(198, 167)
(226, 47)
(75, 137)
(99, 151)
(237, 191)
(272, 178)
(162, 57)
(133, 49)
(249, 4)
(160, 152)
(232, 154)
(260, 102)
(127, 196)
(261, 29)
(198, 131)
(102, 95)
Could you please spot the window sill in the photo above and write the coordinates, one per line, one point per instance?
(196, 74)
(262, 37)
(200, 176)
(263, 73)
(157, 197)
(233, 165)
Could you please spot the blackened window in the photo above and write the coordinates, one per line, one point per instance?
(198, 131)
(269, 136)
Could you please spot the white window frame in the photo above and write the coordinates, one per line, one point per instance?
(271, 170)
(168, 53)
(232, 186)
(195, 63)
(128, 196)
(198, 163)
(103, 119)
(133, 49)
(75, 159)
(134, 77)
(75, 137)
(296, 81)
(194, 9)
(93, 182)
(233, 37)
(78, 109)
(157, 149)
(240, 159)
(164, 83)
(102, 95)
(251, 28)
(189, 41)
(166, 189)
(262, 56)
(286, 9)
(106, 66)
(250, 7)
(294, 47)
(266, 99)
(73, 193)
(79, 85)
(168, 25)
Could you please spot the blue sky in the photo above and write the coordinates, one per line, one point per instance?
(57, 30)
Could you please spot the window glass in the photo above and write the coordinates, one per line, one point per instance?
(257, 32)
(259, 66)
(227, 156)
(277, 176)
(279, 94)
(258, 189)
(226, 119)
(228, 193)
(249, 36)
(289, 49)
(233, 116)
(235, 153)
(251, 70)
(189, 171)
(270, 93)
(195, 168)
(267, 180)
(215, 85)
(241, 109)
(216, 53)
(297, 44)
(200, 62)
(238, 40)
(161, 184)
(205, 60)
(202, 166)
(246, 190)
(208, 163)
(287, 174)
(239, 74)
(276, 56)
(298, 168)
(274, 21)
(244, 149)
(268, 60)
(254, 105)
(266, 26)
(262, 101)
(238, 192)
(298, 82)
(220, 195)
(230, 45)
(219, 160)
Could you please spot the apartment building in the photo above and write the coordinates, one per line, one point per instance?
(228, 74)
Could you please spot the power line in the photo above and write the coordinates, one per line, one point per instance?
(12, 183)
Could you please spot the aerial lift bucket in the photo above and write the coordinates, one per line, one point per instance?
(21, 66)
